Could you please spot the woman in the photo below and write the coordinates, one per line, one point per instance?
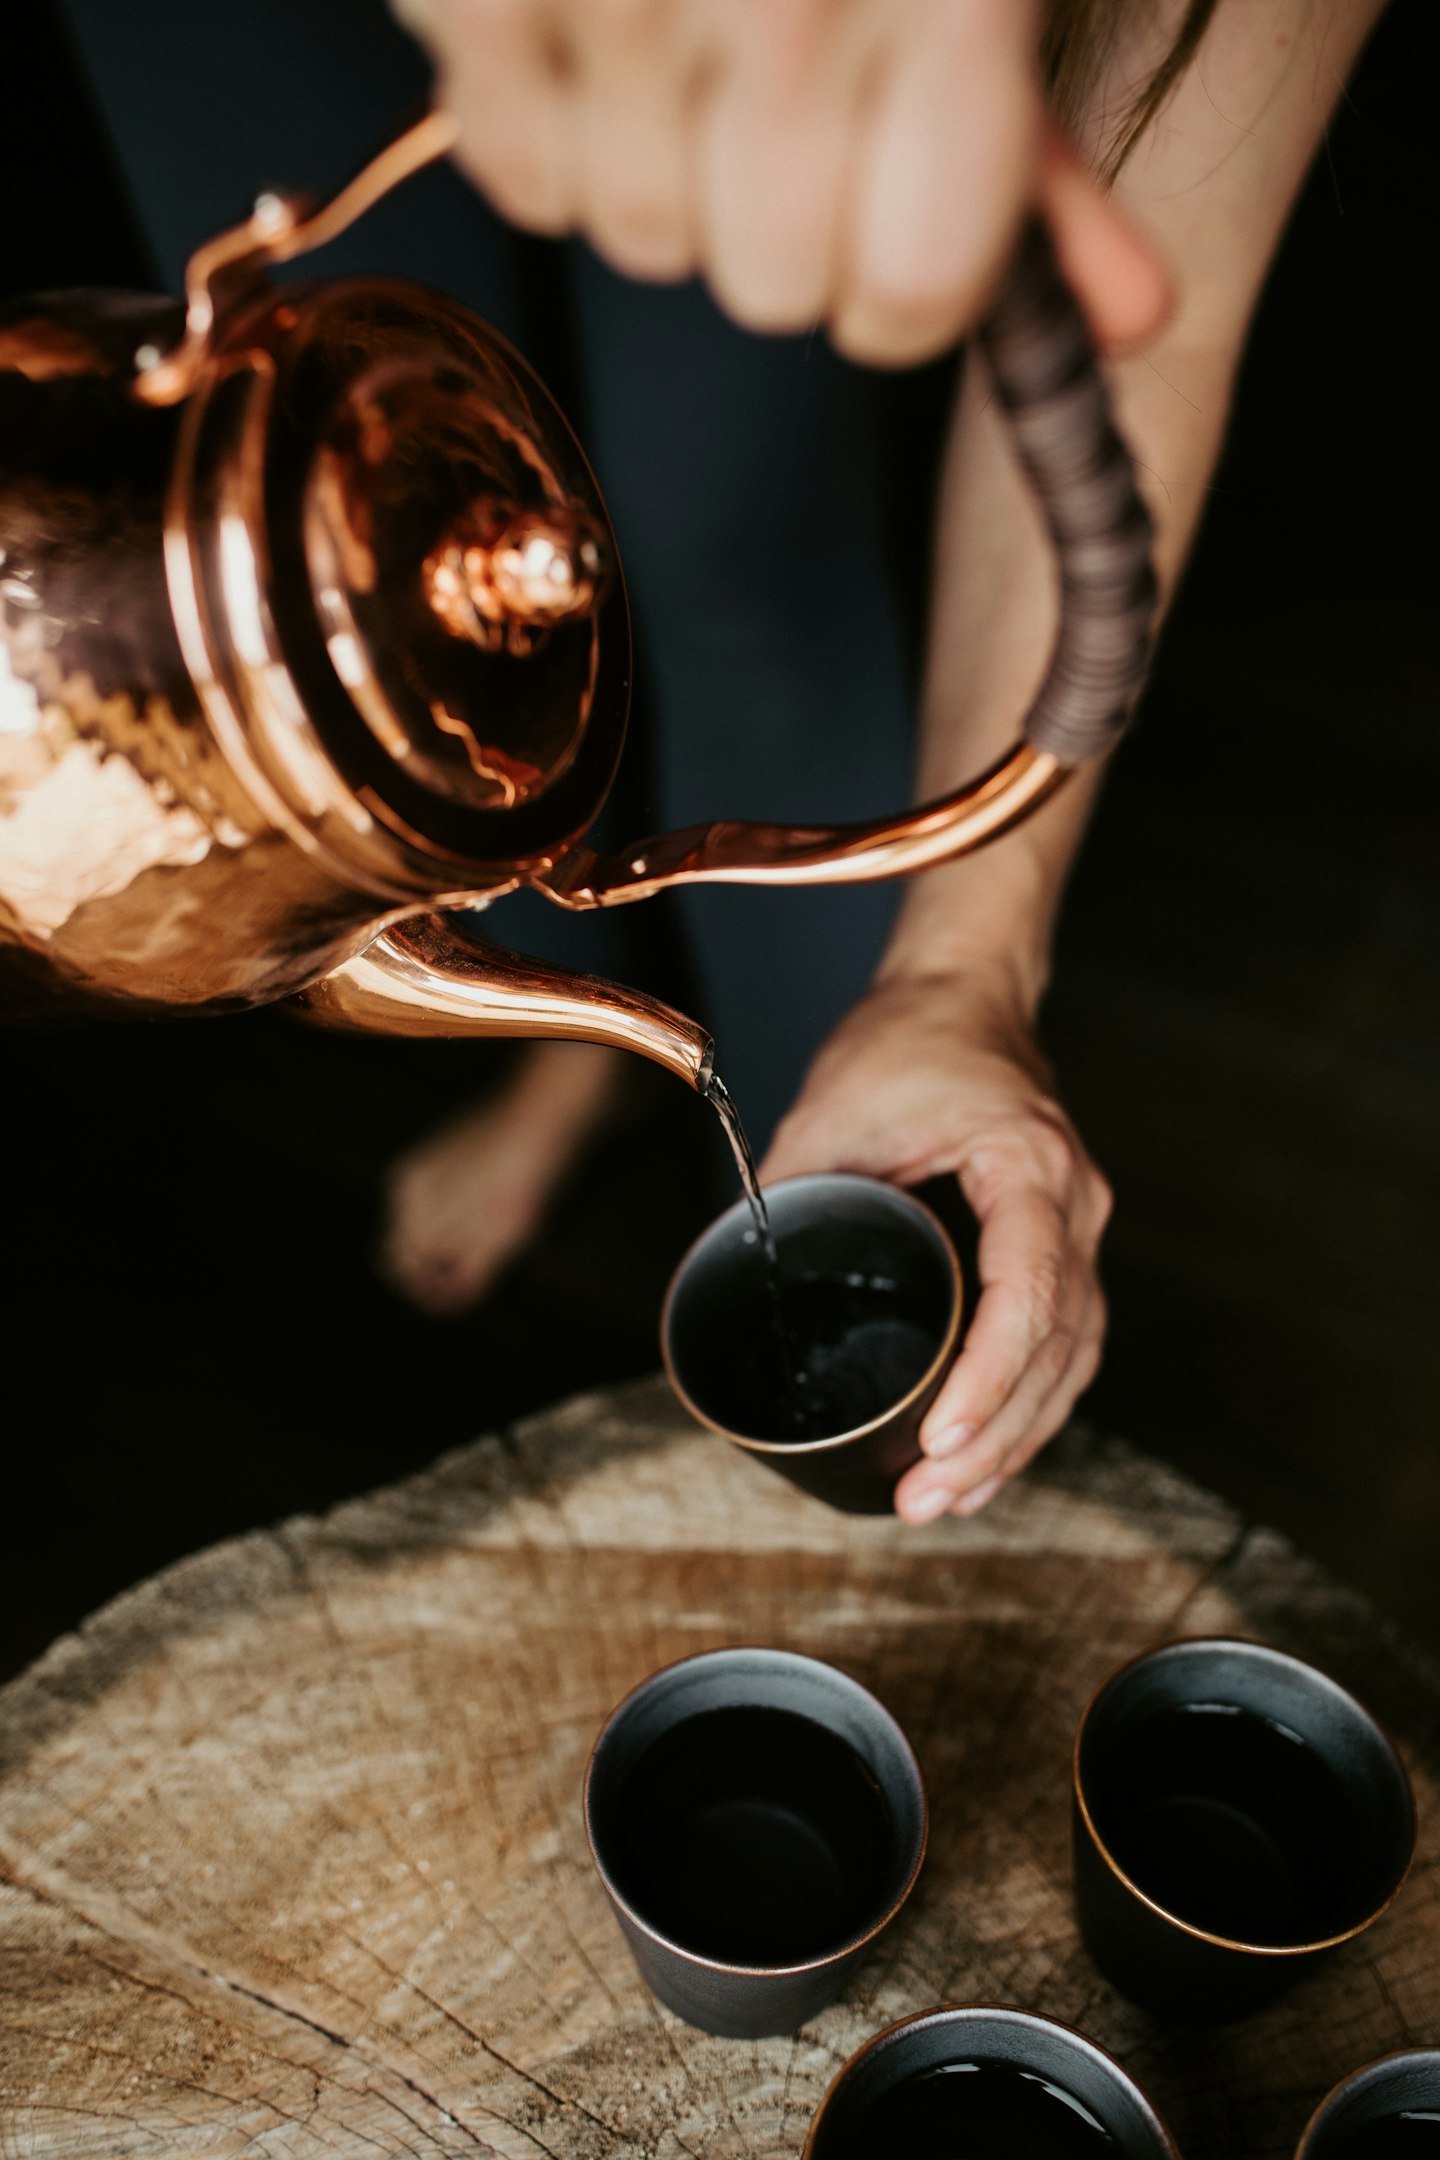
(865, 168)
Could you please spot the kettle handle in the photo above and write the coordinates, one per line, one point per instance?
(1048, 380)
(279, 228)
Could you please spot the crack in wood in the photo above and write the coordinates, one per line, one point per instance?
(528, 2077)
(346, 2045)
(1388, 1996)
(1208, 1577)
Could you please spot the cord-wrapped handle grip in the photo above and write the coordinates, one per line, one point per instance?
(1047, 377)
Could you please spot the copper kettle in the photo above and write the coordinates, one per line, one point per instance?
(312, 625)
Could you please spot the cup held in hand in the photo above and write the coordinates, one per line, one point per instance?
(827, 1382)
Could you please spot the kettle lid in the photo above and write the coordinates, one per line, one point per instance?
(442, 573)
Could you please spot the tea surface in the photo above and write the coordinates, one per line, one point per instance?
(1413, 2135)
(854, 1351)
(976, 2110)
(1233, 1824)
(754, 1836)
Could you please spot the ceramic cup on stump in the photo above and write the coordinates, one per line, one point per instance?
(757, 1820)
(983, 2078)
(827, 1379)
(1236, 1815)
(1390, 2110)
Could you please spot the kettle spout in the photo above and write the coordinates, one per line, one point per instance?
(420, 977)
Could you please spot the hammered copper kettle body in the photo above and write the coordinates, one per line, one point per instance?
(312, 625)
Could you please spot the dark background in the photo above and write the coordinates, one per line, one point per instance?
(1246, 1020)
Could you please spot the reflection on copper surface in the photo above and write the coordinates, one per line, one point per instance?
(741, 854)
(459, 571)
(506, 577)
(513, 778)
(421, 978)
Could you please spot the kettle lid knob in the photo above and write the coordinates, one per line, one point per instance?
(505, 576)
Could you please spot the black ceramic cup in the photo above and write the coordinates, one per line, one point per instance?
(1390, 2110)
(1236, 1814)
(867, 1321)
(985, 2079)
(757, 1820)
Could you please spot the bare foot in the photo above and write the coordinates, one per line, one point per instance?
(466, 1200)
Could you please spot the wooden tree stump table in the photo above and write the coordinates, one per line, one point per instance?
(291, 1860)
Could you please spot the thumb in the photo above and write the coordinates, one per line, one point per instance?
(1115, 273)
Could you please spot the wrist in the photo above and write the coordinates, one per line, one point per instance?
(980, 982)
(979, 924)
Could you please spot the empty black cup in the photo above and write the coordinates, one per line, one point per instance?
(870, 1305)
(982, 2078)
(1390, 2110)
(757, 1820)
(1236, 1815)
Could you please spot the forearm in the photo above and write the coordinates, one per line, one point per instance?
(990, 643)
(1214, 192)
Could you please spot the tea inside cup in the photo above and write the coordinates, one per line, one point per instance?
(986, 2080)
(825, 1366)
(753, 1835)
(859, 1308)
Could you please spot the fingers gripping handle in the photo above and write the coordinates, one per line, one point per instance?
(1048, 380)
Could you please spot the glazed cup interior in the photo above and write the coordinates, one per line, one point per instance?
(1353, 2119)
(1346, 1826)
(851, 2121)
(755, 1844)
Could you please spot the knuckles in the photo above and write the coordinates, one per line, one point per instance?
(454, 20)
(624, 18)
(878, 341)
(761, 304)
(1044, 1297)
(1055, 1153)
(907, 302)
(1054, 1355)
(1087, 1364)
(642, 236)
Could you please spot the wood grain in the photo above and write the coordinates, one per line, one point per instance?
(290, 1848)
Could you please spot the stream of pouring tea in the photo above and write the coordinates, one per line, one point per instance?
(847, 1346)
(718, 1094)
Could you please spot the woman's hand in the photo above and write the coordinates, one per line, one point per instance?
(863, 166)
(941, 1073)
